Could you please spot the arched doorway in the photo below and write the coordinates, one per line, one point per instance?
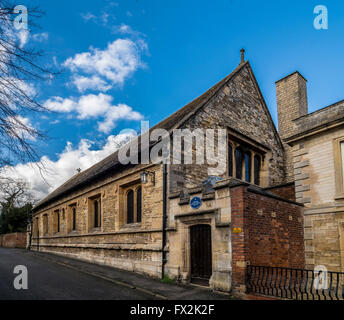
(201, 254)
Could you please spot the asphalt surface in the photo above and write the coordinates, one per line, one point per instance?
(50, 281)
(55, 277)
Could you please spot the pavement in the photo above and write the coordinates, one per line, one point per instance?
(54, 277)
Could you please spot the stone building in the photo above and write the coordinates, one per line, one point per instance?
(315, 160)
(173, 219)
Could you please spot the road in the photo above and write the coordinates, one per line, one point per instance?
(50, 281)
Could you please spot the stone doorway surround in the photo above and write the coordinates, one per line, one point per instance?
(215, 212)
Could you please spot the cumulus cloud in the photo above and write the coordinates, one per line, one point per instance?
(108, 67)
(57, 172)
(94, 106)
(121, 111)
(95, 83)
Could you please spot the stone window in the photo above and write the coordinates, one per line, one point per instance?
(57, 222)
(244, 162)
(338, 146)
(36, 227)
(72, 217)
(45, 225)
(230, 160)
(134, 204)
(257, 167)
(139, 204)
(95, 212)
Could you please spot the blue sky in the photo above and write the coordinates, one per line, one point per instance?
(178, 50)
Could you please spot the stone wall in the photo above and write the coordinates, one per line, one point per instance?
(237, 106)
(291, 94)
(316, 186)
(136, 247)
(215, 212)
(13, 240)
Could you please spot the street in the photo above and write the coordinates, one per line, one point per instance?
(52, 277)
(51, 281)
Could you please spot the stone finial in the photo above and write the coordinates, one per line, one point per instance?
(242, 55)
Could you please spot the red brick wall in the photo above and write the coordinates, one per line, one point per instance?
(265, 239)
(13, 240)
(286, 191)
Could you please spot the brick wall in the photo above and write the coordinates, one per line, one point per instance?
(13, 240)
(286, 191)
(272, 232)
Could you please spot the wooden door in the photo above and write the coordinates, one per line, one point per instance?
(201, 254)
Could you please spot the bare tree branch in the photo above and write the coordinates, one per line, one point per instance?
(20, 68)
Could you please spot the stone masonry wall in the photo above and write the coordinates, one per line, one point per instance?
(238, 106)
(315, 184)
(291, 93)
(135, 247)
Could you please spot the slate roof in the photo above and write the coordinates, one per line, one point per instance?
(111, 162)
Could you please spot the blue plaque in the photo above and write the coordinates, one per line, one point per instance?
(195, 202)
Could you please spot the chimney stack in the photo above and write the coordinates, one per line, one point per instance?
(291, 92)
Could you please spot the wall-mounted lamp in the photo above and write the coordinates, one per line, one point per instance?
(144, 177)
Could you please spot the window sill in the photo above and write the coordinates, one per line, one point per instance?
(339, 196)
(95, 230)
(135, 225)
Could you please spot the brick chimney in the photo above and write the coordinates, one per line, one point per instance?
(291, 92)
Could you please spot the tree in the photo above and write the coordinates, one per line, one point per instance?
(16, 204)
(20, 68)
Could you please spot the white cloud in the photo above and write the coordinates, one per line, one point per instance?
(121, 111)
(94, 83)
(59, 104)
(57, 172)
(94, 106)
(40, 37)
(114, 64)
(126, 29)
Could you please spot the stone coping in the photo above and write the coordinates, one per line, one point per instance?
(109, 246)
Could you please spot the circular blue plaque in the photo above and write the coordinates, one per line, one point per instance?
(195, 202)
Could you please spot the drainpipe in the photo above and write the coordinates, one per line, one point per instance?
(164, 216)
